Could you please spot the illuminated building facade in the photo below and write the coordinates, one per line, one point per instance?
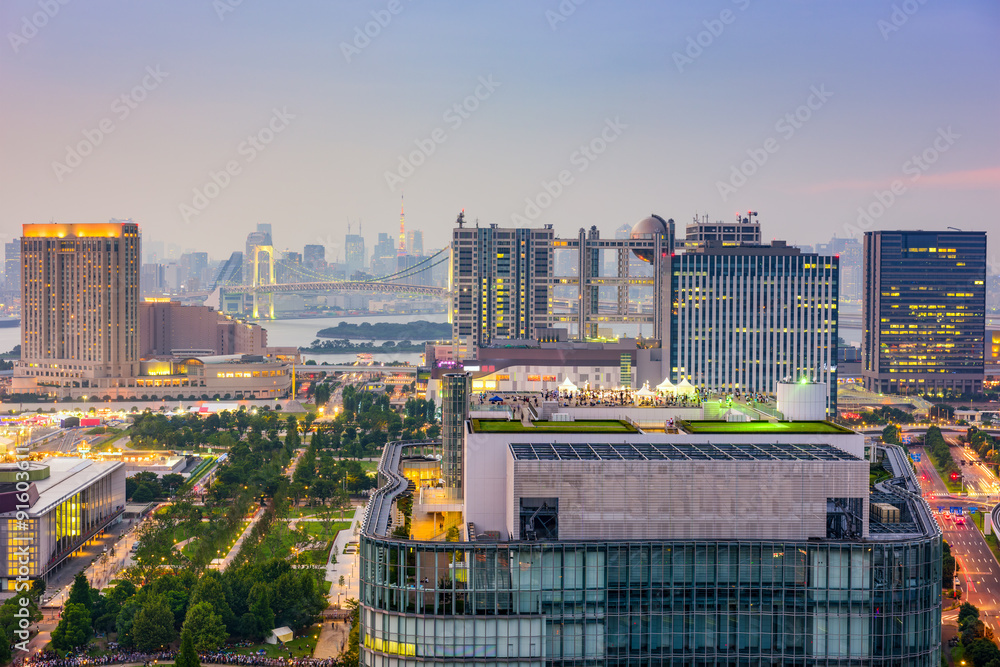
(748, 317)
(80, 305)
(924, 312)
(70, 501)
(744, 231)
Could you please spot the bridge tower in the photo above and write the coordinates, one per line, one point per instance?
(269, 251)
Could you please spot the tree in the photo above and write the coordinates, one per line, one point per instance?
(205, 627)
(80, 592)
(947, 566)
(982, 651)
(890, 434)
(153, 627)
(260, 609)
(73, 629)
(187, 657)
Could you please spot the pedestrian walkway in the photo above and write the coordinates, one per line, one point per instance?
(346, 565)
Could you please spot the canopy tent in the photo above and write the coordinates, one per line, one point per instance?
(644, 392)
(665, 387)
(496, 399)
(685, 388)
(567, 385)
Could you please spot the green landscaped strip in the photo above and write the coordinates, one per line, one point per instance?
(763, 427)
(580, 426)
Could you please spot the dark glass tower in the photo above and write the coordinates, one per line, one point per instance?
(454, 412)
(924, 312)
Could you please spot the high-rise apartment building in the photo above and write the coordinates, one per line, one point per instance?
(747, 317)
(314, 257)
(12, 265)
(924, 312)
(80, 301)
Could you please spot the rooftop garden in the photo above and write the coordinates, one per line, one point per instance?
(763, 427)
(579, 426)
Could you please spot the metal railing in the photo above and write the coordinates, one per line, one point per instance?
(379, 507)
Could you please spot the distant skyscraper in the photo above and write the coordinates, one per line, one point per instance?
(12, 265)
(354, 253)
(747, 317)
(314, 257)
(414, 243)
(924, 312)
(402, 228)
(80, 300)
(384, 255)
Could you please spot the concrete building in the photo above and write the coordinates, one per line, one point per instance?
(70, 501)
(598, 544)
(169, 329)
(744, 231)
(414, 242)
(80, 298)
(354, 253)
(924, 313)
(12, 265)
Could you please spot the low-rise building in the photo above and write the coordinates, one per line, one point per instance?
(70, 500)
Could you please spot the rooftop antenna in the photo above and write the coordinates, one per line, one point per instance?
(955, 228)
(461, 219)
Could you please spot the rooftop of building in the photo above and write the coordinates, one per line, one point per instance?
(67, 477)
(678, 452)
(546, 427)
(711, 427)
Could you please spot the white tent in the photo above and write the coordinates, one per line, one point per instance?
(685, 388)
(282, 634)
(665, 387)
(568, 385)
(644, 392)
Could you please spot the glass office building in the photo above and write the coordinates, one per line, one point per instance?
(856, 601)
(924, 312)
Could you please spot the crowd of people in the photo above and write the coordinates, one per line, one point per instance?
(52, 659)
(623, 396)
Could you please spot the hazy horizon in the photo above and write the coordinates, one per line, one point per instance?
(595, 114)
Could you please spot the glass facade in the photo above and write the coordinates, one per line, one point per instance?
(454, 412)
(651, 603)
(925, 312)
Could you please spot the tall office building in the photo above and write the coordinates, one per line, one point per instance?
(924, 312)
(384, 256)
(354, 254)
(80, 302)
(12, 265)
(501, 281)
(747, 317)
(454, 413)
(414, 243)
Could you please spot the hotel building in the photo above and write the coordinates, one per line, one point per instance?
(79, 305)
(924, 313)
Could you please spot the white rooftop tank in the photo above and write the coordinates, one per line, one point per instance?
(804, 400)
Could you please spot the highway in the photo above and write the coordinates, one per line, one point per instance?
(979, 572)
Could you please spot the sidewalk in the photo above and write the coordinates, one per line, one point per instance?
(346, 565)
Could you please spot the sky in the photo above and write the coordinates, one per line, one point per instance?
(199, 119)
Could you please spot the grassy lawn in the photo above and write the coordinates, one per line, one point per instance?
(302, 646)
(579, 426)
(763, 427)
(279, 542)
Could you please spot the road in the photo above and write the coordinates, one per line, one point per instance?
(979, 572)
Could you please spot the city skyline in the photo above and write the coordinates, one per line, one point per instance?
(679, 106)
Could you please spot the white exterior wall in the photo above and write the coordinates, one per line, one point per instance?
(487, 478)
(688, 500)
